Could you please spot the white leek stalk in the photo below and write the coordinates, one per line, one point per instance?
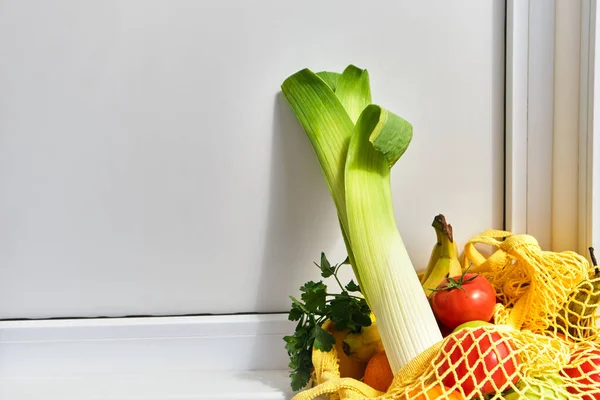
(404, 317)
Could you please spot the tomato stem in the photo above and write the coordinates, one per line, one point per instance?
(455, 283)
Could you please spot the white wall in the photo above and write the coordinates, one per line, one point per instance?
(149, 164)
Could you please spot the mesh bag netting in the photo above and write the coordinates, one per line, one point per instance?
(544, 343)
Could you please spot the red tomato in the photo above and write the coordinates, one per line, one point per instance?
(462, 299)
(482, 358)
(585, 370)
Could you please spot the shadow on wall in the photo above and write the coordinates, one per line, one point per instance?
(300, 214)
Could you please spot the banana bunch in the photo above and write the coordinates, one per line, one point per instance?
(443, 261)
(365, 344)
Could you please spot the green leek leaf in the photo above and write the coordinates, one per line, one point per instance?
(330, 78)
(328, 125)
(354, 91)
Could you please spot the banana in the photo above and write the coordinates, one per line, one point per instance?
(447, 263)
(363, 345)
(435, 255)
(348, 367)
(436, 250)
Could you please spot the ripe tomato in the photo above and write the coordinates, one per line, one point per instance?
(483, 358)
(462, 299)
(584, 368)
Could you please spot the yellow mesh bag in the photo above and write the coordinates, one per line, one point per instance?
(544, 326)
(456, 368)
(540, 290)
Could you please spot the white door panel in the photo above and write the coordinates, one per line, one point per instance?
(149, 165)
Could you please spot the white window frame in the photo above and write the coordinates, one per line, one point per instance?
(589, 139)
(529, 122)
(550, 127)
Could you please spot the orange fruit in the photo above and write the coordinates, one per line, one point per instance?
(379, 374)
(434, 393)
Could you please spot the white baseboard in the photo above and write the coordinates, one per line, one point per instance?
(208, 357)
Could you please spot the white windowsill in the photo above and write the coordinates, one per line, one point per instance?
(232, 385)
(208, 357)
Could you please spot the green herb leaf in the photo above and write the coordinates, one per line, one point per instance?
(311, 311)
(362, 316)
(352, 287)
(299, 347)
(349, 312)
(314, 296)
(296, 313)
(292, 344)
(300, 376)
(324, 340)
(326, 269)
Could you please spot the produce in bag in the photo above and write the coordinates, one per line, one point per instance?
(583, 371)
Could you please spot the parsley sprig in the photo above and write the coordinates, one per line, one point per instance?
(316, 305)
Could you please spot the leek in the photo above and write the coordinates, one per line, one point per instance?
(356, 162)
(406, 322)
